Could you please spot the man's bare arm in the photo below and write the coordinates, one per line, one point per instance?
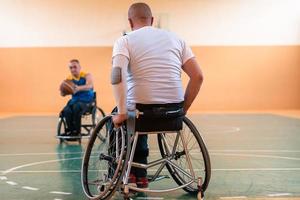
(119, 85)
(192, 69)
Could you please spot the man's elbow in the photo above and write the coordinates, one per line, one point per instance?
(89, 86)
(198, 78)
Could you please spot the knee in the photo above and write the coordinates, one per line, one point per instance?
(67, 110)
(77, 108)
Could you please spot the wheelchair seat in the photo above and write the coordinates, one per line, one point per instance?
(159, 117)
(90, 108)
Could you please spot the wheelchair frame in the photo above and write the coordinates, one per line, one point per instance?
(122, 182)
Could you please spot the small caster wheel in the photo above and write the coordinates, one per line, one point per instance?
(101, 188)
(200, 195)
(126, 198)
(126, 193)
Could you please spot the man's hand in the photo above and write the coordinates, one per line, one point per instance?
(76, 88)
(87, 86)
(62, 94)
(119, 119)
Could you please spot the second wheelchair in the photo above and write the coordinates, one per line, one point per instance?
(90, 117)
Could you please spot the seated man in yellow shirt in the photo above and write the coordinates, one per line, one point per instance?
(81, 99)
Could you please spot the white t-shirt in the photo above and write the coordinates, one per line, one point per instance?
(155, 60)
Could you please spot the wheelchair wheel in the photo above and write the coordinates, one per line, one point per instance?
(198, 155)
(97, 115)
(61, 128)
(103, 165)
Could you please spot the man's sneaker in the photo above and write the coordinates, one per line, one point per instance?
(132, 180)
(74, 133)
(142, 182)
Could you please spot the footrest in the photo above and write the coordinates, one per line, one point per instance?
(158, 178)
(85, 135)
(73, 136)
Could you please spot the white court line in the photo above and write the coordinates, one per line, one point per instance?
(234, 197)
(44, 171)
(57, 199)
(38, 163)
(38, 154)
(279, 194)
(156, 151)
(2, 178)
(154, 170)
(257, 169)
(243, 150)
(255, 150)
(77, 158)
(255, 155)
(154, 198)
(11, 183)
(30, 188)
(58, 192)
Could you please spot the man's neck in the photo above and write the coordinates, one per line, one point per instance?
(140, 26)
(77, 75)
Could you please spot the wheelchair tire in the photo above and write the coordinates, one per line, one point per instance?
(101, 171)
(196, 138)
(97, 115)
(61, 128)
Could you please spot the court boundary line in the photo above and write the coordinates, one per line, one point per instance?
(217, 169)
(156, 151)
(76, 158)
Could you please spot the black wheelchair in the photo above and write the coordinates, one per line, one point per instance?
(89, 119)
(182, 161)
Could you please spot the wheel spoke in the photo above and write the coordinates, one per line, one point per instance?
(197, 160)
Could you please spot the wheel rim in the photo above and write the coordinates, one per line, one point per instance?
(98, 181)
(61, 129)
(198, 155)
(97, 117)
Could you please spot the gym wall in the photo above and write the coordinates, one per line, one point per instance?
(249, 50)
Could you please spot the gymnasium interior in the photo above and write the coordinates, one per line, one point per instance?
(247, 111)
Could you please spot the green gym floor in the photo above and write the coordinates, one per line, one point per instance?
(252, 155)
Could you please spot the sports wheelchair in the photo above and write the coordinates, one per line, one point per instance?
(182, 161)
(89, 120)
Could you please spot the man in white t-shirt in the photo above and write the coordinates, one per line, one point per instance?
(147, 65)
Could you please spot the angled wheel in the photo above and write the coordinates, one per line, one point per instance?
(97, 115)
(171, 144)
(103, 162)
(61, 128)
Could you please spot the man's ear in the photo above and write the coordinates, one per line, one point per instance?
(131, 24)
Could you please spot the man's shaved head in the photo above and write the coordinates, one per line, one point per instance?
(140, 14)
